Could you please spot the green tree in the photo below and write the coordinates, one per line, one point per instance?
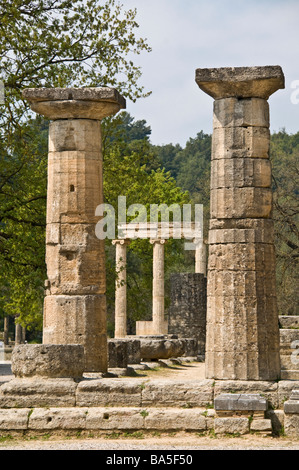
(48, 43)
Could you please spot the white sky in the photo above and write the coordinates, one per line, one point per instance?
(190, 34)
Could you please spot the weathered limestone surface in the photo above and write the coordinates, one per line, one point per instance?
(48, 360)
(120, 289)
(188, 307)
(242, 319)
(75, 302)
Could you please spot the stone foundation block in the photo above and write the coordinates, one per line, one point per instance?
(231, 425)
(48, 360)
(37, 392)
(261, 426)
(240, 402)
(175, 419)
(109, 392)
(291, 425)
(14, 419)
(167, 393)
(117, 353)
(289, 321)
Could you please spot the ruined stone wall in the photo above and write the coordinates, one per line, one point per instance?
(187, 312)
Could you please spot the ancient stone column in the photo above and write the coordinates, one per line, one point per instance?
(242, 320)
(75, 302)
(159, 323)
(120, 288)
(200, 257)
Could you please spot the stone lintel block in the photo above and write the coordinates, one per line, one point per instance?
(234, 112)
(246, 202)
(240, 82)
(241, 172)
(240, 402)
(74, 103)
(48, 360)
(240, 142)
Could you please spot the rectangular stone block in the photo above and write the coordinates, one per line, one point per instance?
(14, 419)
(114, 419)
(267, 389)
(31, 393)
(291, 407)
(175, 419)
(291, 425)
(176, 394)
(109, 392)
(240, 142)
(240, 172)
(240, 402)
(231, 425)
(261, 426)
(58, 419)
(289, 321)
(235, 112)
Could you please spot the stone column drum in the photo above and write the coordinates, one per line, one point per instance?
(75, 302)
(242, 320)
(120, 288)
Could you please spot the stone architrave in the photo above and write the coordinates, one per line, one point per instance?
(242, 320)
(120, 288)
(75, 302)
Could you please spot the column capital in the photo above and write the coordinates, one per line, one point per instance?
(162, 241)
(74, 103)
(121, 242)
(240, 82)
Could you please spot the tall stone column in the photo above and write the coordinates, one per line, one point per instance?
(242, 319)
(75, 302)
(159, 323)
(120, 288)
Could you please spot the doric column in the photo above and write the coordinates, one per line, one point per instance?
(200, 256)
(242, 319)
(120, 288)
(159, 324)
(75, 302)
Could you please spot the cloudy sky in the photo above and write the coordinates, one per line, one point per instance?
(190, 34)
